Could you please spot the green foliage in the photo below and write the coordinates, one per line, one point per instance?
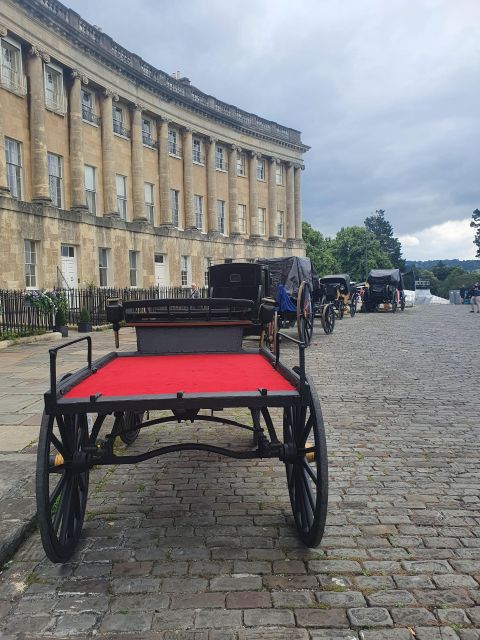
(84, 315)
(383, 231)
(319, 250)
(357, 251)
(441, 270)
(475, 224)
(60, 319)
(13, 335)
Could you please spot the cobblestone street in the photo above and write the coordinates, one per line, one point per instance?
(193, 546)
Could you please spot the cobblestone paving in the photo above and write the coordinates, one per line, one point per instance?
(196, 547)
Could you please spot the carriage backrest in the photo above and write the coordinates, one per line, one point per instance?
(239, 280)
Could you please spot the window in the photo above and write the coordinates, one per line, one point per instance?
(121, 182)
(173, 142)
(207, 263)
(30, 253)
(198, 202)
(149, 203)
(241, 165)
(147, 138)
(260, 169)
(133, 263)
(279, 177)
(54, 98)
(185, 271)
(55, 179)
(197, 150)
(91, 189)
(262, 214)
(13, 158)
(118, 122)
(242, 217)
(220, 162)
(88, 105)
(11, 76)
(221, 215)
(174, 199)
(280, 223)
(103, 265)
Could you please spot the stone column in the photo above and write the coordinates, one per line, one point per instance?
(212, 186)
(232, 191)
(298, 201)
(108, 160)
(138, 189)
(4, 190)
(272, 198)
(290, 223)
(165, 205)
(253, 194)
(38, 136)
(77, 164)
(190, 222)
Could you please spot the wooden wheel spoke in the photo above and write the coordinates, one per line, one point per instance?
(308, 490)
(58, 445)
(307, 429)
(58, 489)
(59, 513)
(66, 435)
(310, 471)
(67, 511)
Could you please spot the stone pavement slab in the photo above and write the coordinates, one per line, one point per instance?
(193, 546)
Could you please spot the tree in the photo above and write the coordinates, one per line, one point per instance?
(383, 231)
(475, 224)
(357, 251)
(319, 250)
(441, 270)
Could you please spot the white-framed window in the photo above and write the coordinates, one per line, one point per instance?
(174, 204)
(197, 150)
(11, 70)
(207, 263)
(242, 217)
(13, 159)
(261, 169)
(147, 129)
(198, 203)
(221, 215)
(88, 107)
(280, 223)
(104, 266)
(54, 95)
(279, 174)
(173, 142)
(262, 216)
(241, 164)
(121, 183)
(30, 248)
(119, 121)
(185, 271)
(55, 179)
(220, 162)
(91, 188)
(149, 202)
(133, 264)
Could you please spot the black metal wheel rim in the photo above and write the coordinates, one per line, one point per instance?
(307, 475)
(130, 421)
(328, 319)
(62, 490)
(305, 315)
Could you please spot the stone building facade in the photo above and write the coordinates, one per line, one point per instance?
(114, 173)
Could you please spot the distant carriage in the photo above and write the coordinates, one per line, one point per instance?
(341, 293)
(384, 287)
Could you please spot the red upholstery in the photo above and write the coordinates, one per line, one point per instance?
(197, 373)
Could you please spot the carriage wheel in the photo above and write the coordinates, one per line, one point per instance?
(130, 420)
(61, 491)
(402, 304)
(328, 318)
(305, 313)
(307, 475)
(353, 306)
(268, 336)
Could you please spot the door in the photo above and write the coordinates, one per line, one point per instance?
(69, 265)
(161, 271)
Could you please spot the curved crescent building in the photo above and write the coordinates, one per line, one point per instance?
(114, 173)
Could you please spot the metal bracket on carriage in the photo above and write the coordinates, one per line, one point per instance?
(182, 415)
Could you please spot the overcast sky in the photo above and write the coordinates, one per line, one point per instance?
(386, 92)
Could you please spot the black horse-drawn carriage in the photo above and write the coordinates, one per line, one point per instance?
(282, 286)
(384, 287)
(189, 362)
(340, 292)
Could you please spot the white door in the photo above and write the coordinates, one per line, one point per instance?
(69, 265)
(161, 271)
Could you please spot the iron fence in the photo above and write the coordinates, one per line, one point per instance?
(17, 314)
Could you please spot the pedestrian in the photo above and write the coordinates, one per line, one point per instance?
(195, 293)
(463, 290)
(475, 299)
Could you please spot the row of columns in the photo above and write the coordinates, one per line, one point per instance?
(39, 164)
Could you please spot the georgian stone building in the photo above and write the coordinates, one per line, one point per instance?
(117, 174)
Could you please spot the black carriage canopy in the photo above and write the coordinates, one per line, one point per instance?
(289, 271)
(337, 278)
(386, 276)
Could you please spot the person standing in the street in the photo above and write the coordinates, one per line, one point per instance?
(463, 291)
(475, 299)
